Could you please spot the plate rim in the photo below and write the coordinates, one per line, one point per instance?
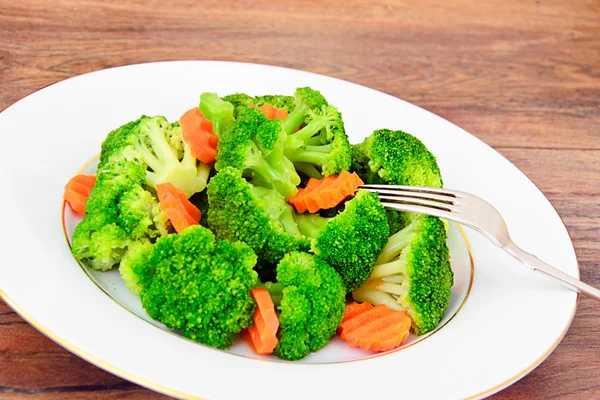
(172, 392)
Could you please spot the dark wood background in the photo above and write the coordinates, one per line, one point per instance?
(522, 75)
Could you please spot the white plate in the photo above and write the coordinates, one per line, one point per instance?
(502, 322)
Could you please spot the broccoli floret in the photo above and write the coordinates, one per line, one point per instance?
(312, 299)
(321, 147)
(395, 158)
(305, 100)
(133, 266)
(413, 272)
(351, 241)
(257, 216)
(119, 210)
(241, 101)
(201, 286)
(254, 144)
(219, 112)
(154, 147)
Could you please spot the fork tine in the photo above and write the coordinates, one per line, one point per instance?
(417, 189)
(419, 202)
(417, 195)
(420, 210)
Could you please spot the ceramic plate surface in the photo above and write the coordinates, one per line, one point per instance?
(503, 319)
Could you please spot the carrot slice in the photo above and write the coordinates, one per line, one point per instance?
(271, 111)
(178, 208)
(77, 190)
(378, 328)
(198, 133)
(262, 336)
(325, 193)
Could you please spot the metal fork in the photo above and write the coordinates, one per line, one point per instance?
(474, 212)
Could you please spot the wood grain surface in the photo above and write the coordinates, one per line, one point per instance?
(522, 75)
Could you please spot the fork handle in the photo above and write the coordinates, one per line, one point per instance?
(536, 264)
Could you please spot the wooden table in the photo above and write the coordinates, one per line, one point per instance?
(524, 76)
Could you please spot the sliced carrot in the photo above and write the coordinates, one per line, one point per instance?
(198, 133)
(262, 336)
(378, 328)
(77, 190)
(178, 208)
(271, 111)
(324, 193)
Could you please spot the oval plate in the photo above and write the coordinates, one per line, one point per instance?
(511, 320)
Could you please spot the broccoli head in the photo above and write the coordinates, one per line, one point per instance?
(257, 216)
(413, 272)
(351, 241)
(254, 144)
(241, 101)
(312, 300)
(316, 140)
(120, 208)
(119, 211)
(133, 266)
(395, 158)
(201, 286)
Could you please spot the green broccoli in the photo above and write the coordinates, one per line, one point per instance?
(395, 158)
(413, 272)
(254, 144)
(132, 267)
(312, 299)
(119, 211)
(122, 207)
(255, 215)
(153, 144)
(241, 101)
(351, 241)
(321, 147)
(201, 286)
(219, 112)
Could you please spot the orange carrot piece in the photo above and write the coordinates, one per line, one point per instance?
(198, 133)
(378, 328)
(77, 190)
(178, 208)
(325, 193)
(262, 336)
(271, 111)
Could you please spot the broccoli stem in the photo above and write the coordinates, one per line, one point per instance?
(390, 268)
(313, 127)
(308, 170)
(217, 110)
(271, 176)
(311, 157)
(374, 296)
(396, 243)
(289, 223)
(311, 224)
(274, 289)
(294, 119)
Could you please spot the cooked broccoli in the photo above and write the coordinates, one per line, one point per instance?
(241, 101)
(413, 273)
(255, 215)
(395, 158)
(351, 241)
(312, 299)
(133, 266)
(201, 286)
(154, 145)
(219, 112)
(321, 147)
(254, 144)
(120, 210)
